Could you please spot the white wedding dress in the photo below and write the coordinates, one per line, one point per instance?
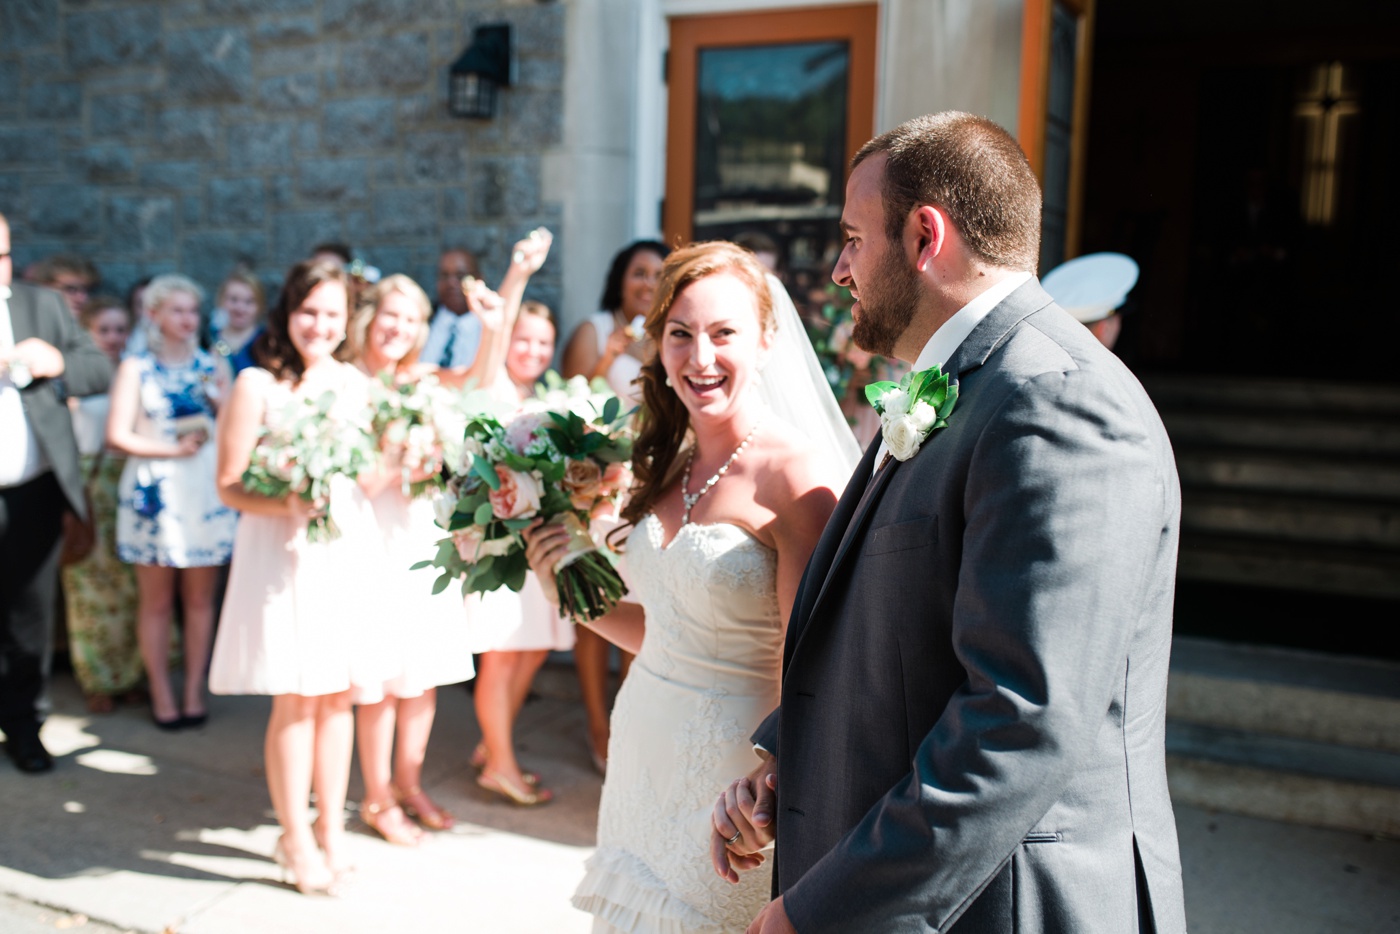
(706, 675)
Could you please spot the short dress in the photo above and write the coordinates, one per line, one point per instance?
(424, 641)
(168, 508)
(299, 616)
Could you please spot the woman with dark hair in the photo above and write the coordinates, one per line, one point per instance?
(610, 345)
(729, 501)
(294, 616)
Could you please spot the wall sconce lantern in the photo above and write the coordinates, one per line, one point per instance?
(474, 77)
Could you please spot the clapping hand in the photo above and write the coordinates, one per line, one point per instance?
(484, 303)
(528, 255)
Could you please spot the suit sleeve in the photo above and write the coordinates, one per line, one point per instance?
(86, 370)
(766, 736)
(1064, 504)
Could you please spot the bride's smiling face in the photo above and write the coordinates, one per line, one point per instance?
(713, 345)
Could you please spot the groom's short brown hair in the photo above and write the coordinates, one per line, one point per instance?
(972, 169)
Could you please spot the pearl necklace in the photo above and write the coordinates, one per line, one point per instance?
(690, 499)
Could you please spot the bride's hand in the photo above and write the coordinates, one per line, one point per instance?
(544, 546)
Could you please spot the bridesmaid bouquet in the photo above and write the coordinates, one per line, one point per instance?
(306, 448)
(563, 457)
(419, 416)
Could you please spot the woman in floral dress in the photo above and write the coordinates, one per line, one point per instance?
(100, 591)
(170, 521)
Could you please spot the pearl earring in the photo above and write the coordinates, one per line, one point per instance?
(668, 381)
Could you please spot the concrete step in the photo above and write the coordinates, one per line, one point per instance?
(1282, 692)
(1292, 518)
(1217, 393)
(1284, 431)
(1285, 734)
(1311, 475)
(1285, 564)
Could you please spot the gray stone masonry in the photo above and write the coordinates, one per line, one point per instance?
(201, 134)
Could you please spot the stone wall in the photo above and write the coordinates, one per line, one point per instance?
(192, 135)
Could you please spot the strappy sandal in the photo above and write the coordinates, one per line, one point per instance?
(478, 762)
(417, 805)
(380, 818)
(525, 797)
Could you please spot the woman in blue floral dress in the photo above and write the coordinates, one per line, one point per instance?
(171, 523)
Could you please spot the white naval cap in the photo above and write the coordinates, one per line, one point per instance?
(1092, 287)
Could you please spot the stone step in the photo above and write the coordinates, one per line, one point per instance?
(1315, 567)
(1309, 696)
(1284, 796)
(1289, 473)
(1293, 519)
(1309, 433)
(1219, 393)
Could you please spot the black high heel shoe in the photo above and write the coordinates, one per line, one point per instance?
(169, 726)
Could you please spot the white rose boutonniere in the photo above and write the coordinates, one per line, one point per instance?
(912, 409)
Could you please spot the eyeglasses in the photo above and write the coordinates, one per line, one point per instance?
(71, 289)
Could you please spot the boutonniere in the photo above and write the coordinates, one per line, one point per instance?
(912, 409)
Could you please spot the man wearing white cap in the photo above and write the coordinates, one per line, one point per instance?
(1092, 288)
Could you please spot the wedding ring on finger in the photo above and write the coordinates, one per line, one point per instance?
(738, 835)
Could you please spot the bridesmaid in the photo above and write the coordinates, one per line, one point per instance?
(426, 636)
(515, 632)
(292, 623)
(170, 522)
(100, 590)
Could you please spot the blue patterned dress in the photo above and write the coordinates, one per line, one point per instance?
(168, 508)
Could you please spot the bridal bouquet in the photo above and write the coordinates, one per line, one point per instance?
(563, 457)
(306, 448)
(420, 417)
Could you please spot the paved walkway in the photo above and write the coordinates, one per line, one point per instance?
(139, 830)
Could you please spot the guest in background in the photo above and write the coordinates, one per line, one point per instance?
(607, 345)
(72, 276)
(237, 319)
(136, 340)
(454, 332)
(424, 636)
(100, 590)
(515, 632)
(39, 478)
(294, 622)
(170, 522)
(332, 251)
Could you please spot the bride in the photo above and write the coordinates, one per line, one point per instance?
(729, 501)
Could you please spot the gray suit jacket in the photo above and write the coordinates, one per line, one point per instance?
(41, 313)
(971, 729)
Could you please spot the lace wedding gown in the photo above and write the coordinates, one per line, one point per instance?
(706, 675)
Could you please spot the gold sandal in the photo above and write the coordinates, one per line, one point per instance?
(478, 762)
(378, 817)
(417, 805)
(525, 797)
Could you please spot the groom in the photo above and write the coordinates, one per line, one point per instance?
(970, 735)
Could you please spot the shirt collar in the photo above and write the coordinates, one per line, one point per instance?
(954, 331)
(4, 293)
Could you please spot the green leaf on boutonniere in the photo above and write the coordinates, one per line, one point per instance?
(873, 391)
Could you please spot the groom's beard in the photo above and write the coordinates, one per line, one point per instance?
(887, 304)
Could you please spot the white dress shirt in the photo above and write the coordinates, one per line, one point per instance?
(954, 331)
(21, 458)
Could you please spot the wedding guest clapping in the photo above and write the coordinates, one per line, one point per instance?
(515, 632)
(294, 618)
(99, 591)
(426, 634)
(170, 521)
(608, 345)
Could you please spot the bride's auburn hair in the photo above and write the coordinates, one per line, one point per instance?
(663, 421)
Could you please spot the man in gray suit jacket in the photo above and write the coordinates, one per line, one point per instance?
(970, 735)
(44, 357)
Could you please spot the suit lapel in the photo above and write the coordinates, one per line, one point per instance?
(21, 315)
(847, 525)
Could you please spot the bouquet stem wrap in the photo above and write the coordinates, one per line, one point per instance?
(589, 586)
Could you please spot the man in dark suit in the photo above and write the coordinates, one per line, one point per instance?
(44, 357)
(972, 719)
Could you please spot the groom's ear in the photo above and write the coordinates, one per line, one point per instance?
(929, 229)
